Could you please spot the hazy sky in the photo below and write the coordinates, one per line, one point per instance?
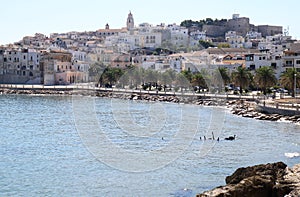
(26, 17)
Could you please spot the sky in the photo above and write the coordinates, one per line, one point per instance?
(21, 18)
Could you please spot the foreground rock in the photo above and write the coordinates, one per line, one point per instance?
(274, 180)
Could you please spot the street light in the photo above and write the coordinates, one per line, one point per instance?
(295, 84)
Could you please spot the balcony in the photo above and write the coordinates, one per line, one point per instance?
(287, 65)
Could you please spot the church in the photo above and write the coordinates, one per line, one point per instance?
(110, 32)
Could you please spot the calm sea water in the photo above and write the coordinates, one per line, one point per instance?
(42, 153)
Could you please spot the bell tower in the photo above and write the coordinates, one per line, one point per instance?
(130, 21)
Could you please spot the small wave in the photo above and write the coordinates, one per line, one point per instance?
(291, 155)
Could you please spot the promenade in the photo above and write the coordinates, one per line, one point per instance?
(91, 87)
(286, 106)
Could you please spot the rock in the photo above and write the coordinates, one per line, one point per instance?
(274, 180)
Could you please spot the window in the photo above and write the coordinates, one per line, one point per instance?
(24, 57)
(289, 63)
(273, 65)
(297, 61)
(252, 67)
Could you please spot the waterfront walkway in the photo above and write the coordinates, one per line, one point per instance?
(267, 104)
(89, 87)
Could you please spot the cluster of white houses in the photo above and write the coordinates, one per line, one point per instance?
(65, 58)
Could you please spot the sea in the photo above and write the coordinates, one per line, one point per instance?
(54, 145)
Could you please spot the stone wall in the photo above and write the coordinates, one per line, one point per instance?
(18, 79)
(272, 110)
(267, 30)
(240, 25)
(214, 30)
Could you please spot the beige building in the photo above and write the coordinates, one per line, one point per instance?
(58, 68)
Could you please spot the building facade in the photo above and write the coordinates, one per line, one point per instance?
(20, 66)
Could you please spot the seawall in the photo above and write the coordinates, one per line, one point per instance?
(272, 110)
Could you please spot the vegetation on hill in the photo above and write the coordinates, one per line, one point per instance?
(200, 23)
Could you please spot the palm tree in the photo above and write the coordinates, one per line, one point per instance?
(287, 80)
(151, 77)
(167, 78)
(265, 78)
(242, 78)
(221, 78)
(198, 80)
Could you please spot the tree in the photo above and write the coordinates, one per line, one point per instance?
(265, 78)
(110, 75)
(187, 74)
(182, 81)
(223, 45)
(206, 44)
(151, 77)
(242, 78)
(287, 80)
(221, 78)
(167, 78)
(198, 80)
(224, 74)
(95, 71)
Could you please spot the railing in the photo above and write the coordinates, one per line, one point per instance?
(91, 87)
(287, 65)
(276, 105)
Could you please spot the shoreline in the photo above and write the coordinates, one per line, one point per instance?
(241, 107)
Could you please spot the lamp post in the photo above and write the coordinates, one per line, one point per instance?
(295, 84)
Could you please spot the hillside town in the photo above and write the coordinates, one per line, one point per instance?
(66, 58)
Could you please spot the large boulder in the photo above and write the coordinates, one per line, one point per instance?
(272, 179)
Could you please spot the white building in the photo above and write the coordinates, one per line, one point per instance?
(252, 35)
(179, 35)
(20, 66)
(198, 35)
(264, 58)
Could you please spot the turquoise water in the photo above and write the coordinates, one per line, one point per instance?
(42, 152)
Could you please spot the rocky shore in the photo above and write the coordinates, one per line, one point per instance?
(238, 107)
(248, 110)
(272, 179)
(121, 95)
